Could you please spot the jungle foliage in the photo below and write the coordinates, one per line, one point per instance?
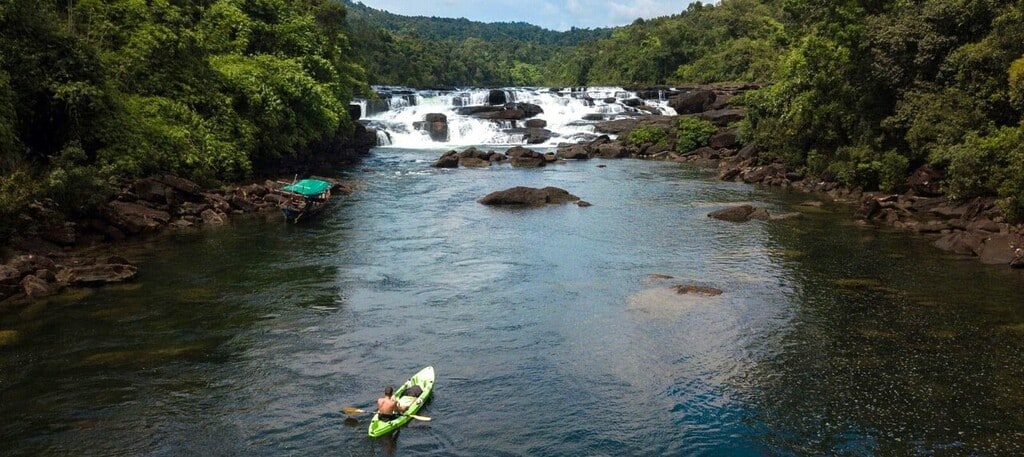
(866, 91)
(96, 91)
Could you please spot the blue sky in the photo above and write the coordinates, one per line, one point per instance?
(550, 14)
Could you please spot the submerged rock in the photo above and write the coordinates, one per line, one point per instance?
(94, 275)
(734, 214)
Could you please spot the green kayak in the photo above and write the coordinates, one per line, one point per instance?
(425, 380)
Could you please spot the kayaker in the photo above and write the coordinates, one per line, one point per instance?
(387, 406)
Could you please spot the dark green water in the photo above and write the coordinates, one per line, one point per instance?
(547, 333)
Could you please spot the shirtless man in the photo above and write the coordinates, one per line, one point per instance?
(387, 406)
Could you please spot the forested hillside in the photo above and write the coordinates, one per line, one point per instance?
(445, 52)
(94, 92)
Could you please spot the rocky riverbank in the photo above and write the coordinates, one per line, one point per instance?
(973, 228)
(51, 253)
(49, 256)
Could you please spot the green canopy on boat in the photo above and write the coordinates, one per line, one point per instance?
(308, 187)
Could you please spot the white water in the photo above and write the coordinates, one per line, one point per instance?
(564, 112)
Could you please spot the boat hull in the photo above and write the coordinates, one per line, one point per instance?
(425, 380)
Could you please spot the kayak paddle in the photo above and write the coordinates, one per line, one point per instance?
(351, 410)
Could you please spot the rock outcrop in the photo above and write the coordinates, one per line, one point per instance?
(529, 196)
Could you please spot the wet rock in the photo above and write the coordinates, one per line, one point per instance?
(36, 287)
(528, 196)
(528, 109)
(449, 160)
(574, 152)
(95, 275)
(9, 337)
(211, 217)
(734, 214)
(525, 158)
(536, 124)
(478, 110)
(786, 216)
(473, 162)
(497, 97)
(436, 125)
(613, 150)
(195, 209)
(690, 289)
(538, 135)
(584, 204)
(760, 214)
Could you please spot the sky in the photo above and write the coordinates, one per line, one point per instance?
(550, 14)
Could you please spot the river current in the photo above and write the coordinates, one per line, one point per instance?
(554, 331)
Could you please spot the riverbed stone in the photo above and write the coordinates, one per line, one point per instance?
(9, 337)
(95, 275)
(212, 217)
(36, 287)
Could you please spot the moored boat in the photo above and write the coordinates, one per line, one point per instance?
(424, 379)
(305, 197)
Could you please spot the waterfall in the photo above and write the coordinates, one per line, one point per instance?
(569, 114)
(383, 138)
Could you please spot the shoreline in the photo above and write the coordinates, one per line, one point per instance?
(65, 255)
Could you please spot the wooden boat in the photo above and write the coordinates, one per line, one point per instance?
(424, 379)
(305, 198)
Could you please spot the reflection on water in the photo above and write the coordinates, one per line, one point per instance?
(555, 330)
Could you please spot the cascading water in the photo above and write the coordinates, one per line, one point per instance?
(568, 115)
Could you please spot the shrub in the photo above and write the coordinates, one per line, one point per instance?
(861, 166)
(987, 165)
(647, 134)
(693, 133)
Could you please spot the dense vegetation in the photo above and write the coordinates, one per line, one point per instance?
(863, 91)
(445, 52)
(95, 91)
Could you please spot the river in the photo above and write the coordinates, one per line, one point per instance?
(549, 334)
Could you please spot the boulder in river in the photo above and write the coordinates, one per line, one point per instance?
(528, 196)
(692, 102)
(733, 214)
(436, 125)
